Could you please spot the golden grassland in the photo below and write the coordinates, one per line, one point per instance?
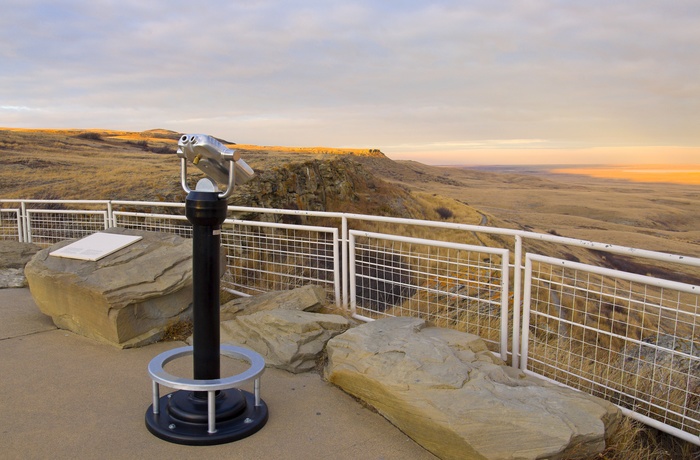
(108, 164)
(122, 165)
(654, 216)
(105, 164)
(61, 164)
(688, 174)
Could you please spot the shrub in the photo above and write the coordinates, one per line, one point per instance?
(90, 136)
(143, 145)
(444, 213)
(163, 150)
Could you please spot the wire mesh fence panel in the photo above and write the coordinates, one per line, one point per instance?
(166, 223)
(450, 285)
(264, 257)
(47, 226)
(630, 339)
(10, 228)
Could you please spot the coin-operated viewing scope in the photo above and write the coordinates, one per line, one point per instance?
(207, 409)
(221, 164)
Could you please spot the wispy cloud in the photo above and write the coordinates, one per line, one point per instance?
(396, 75)
(15, 108)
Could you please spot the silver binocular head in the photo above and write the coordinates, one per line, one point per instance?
(220, 164)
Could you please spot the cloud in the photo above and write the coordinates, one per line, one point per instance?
(589, 74)
(15, 108)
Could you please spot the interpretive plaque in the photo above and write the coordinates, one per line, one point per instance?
(95, 246)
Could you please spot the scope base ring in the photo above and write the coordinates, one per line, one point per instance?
(225, 414)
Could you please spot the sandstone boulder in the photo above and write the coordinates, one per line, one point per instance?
(288, 339)
(13, 257)
(127, 298)
(450, 394)
(307, 298)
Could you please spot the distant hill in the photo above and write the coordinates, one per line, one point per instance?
(109, 164)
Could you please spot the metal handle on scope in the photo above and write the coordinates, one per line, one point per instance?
(220, 164)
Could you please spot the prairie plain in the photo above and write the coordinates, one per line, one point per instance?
(107, 164)
(653, 215)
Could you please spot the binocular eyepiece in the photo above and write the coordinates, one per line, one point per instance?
(220, 164)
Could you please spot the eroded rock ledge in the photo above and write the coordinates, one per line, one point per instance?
(126, 299)
(451, 395)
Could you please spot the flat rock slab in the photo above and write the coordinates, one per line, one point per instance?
(288, 339)
(311, 298)
(127, 298)
(451, 395)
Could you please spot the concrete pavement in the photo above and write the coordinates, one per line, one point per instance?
(65, 396)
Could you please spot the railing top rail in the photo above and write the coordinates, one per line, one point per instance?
(280, 225)
(148, 203)
(148, 214)
(648, 280)
(621, 250)
(292, 212)
(9, 200)
(443, 244)
(605, 247)
(67, 211)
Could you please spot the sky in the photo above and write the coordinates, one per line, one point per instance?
(441, 82)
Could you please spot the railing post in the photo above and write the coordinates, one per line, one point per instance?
(26, 224)
(20, 227)
(526, 314)
(351, 276)
(110, 215)
(345, 262)
(338, 271)
(517, 296)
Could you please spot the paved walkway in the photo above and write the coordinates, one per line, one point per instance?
(65, 396)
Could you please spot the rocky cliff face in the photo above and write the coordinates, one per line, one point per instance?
(326, 184)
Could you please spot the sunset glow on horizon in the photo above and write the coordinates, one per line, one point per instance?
(672, 174)
(554, 156)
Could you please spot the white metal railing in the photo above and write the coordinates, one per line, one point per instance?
(452, 285)
(166, 223)
(265, 256)
(629, 338)
(639, 333)
(47, 226)
(11, 225)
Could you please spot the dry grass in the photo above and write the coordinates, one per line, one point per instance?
(114, 165)
(107, 164)
(179, 331)
(654, 216)
(62, 164)
(635, 441)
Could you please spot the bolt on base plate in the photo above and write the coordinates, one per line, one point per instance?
(182, 417)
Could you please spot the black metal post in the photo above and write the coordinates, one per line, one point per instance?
(206, 212)
(183, 417)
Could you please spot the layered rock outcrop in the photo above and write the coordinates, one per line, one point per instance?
(287, 339)
(127, 299)
(283, 326)
(451, 395)
(336, 183)
(309, 298)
